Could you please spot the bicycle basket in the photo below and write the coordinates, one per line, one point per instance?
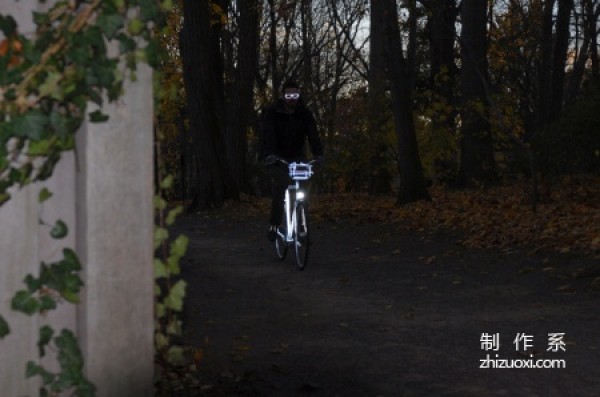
(300, 171)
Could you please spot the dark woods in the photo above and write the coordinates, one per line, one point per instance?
(406, 94)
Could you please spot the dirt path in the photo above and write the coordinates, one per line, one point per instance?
(381, 312)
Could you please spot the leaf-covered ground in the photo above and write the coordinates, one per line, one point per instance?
(567, 219)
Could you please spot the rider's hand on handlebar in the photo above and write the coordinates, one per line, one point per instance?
(271, 159)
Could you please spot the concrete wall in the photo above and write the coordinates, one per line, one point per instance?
(103, 191)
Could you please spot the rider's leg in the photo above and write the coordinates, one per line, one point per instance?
(279, 180)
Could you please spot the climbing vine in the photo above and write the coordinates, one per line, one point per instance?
(81, 53)
(57, 282)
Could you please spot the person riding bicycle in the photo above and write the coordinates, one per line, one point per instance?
(286, 125)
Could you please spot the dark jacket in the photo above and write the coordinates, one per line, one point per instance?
(284, 134)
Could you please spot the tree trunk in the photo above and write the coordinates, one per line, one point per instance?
(594, 49)
(559, 57)
(544, 93)
(442, 35)
(241, 92)
(215, 183)
(273, 53)
(412, 182)
(379, 179)
(477, 166)
(307, 35)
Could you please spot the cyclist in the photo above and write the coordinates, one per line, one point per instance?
(286, 125)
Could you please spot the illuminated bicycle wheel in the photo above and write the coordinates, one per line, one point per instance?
(280, 246)
(301, 236)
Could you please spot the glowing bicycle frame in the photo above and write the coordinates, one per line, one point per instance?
(296, 215)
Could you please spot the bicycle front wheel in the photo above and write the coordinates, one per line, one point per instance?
(301, 236)
(280, 246)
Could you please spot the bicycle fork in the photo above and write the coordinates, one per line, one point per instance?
(290, 213)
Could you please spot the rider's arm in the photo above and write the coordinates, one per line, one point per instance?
(268, 133)
(313, 136)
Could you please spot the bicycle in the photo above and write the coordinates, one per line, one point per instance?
(296, 215)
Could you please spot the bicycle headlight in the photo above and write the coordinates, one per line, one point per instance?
(299, 195)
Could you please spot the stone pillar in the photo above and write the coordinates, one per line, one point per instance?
(114, 241)
(103, 192)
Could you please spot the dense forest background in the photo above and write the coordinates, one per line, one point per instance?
(407, 95)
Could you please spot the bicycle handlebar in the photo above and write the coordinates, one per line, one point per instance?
(311, 162)
(270, 160)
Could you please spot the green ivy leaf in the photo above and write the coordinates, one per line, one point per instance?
(119, 4)
(41, 18)
(176, 355)
(71, 261)
(59, 230)
(160, 235)
(4, 328)
(33, 284)
(176, 294)
(152, 52)
(160, 310)
(62, 125)
(149, 10)
(38, 148)
(44, 195)
(32, 369)
(167, 182)
(70, 296)
(160, 203)
(20, 176)
(33, 125)
(179, 246)
(24, 302)
(66, 340)
(98, 117)
(126, 43)
(110, 24)
(78, 55)
(160, 270)
(47, 377)
(95, 97)
(173, 265)
(177, 251)
(8, 25)
(135, 26)
(71, 363)
(51, 88)
(166, 5)
(71, 282)
(161, 341)
(46, 333)
(31, 53)
(47, 303)
(104, 73)
(172, 215)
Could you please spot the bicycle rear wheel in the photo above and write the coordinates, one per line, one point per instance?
(301, 236)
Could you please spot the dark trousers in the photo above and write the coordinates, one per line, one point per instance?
(280, 180)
